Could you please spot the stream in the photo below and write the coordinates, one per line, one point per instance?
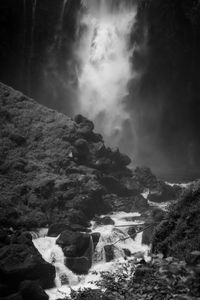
(110, 234)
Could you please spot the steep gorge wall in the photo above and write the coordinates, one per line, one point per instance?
(169, 92)
(30, 56)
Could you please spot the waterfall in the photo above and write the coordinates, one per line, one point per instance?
(105, 68)
(53, 254)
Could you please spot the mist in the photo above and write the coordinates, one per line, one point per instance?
(104, 70)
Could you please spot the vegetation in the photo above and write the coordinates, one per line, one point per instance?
(159, 279)
(178, 235)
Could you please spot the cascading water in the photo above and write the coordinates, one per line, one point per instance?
(110, 235)
(105, 67)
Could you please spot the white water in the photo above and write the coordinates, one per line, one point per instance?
(66, 279)
(105, 68)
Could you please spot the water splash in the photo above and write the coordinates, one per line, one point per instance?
(105, 70)
(109, 235)
(53, 254)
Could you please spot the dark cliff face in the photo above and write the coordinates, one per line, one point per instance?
(36, 45)
(169, 93)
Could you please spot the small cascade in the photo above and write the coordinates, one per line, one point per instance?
(112, 238)
(53, 254)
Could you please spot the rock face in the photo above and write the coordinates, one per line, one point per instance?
(21, 262)
(178, 234)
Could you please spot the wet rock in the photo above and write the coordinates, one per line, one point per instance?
(70, 251)
(104, 221)
(147, 235)
(127, 252)
(132, 232)
(162, 193)
(19, 262)
(79, 241)
(109, 252)
(55, 229)
(113, 186)
(95, 238)
(79, 265)
(31, 290)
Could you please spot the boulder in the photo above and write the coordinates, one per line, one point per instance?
(132, 232)
(70, 251)
(163, 193)
(127, 252)
(81, 265)
(31, 290)
(147, 235)
(104, 221)
(113, 186)
(109, 252)
(82, 147)
(78, 265)
(19, 262)
(95, 238)
(79, 241)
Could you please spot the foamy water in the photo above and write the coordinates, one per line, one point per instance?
(105, 67)
(110, 235)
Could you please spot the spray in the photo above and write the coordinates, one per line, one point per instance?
(105, 67)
